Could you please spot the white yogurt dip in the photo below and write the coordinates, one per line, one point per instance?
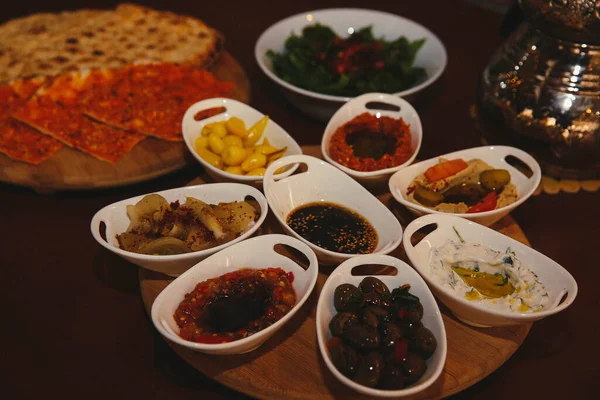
(498, 280)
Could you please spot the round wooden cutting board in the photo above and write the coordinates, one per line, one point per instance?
(73, 169)
(289, 365)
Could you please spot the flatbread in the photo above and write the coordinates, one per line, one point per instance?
(51, 44)
(151, 99)
(18, 140)
(56, 112)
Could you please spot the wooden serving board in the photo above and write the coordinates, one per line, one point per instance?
(72, 169)
(289, 365)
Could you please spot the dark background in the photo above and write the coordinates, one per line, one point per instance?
(76, 324)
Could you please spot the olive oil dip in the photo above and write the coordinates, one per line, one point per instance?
(334, 227)
(494, 279)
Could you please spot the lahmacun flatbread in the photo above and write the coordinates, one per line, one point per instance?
(152, 98)
(51, 44)
(55, 111)
(18, 140)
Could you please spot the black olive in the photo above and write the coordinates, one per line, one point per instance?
(372, 284)
(425, 342)
(391, 333)
(414, 367)
(369, 318)
(347, 297)
(392, 378)
(362, 337)
(369, 370)
(344, 357)
(373, 316)
(409, 328)
(371, 299)
(342, 321)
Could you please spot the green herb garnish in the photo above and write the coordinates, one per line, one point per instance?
(320, 61)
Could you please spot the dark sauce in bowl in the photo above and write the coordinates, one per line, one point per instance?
(334, 227)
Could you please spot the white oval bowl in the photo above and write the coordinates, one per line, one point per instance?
(432, 318)
(492, 155)
(432, 56)
(192, 129)
(557, 280)
(323, 182)
(357, 106)
(255, 253)
(115, 218)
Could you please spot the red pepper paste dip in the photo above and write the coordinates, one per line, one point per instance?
(367, 143)
(235, 305)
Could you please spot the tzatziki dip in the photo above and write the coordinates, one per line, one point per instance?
(494, 279)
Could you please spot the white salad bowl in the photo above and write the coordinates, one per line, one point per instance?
(192, 129)
(432, 318)
(558, 281)
(362, 104)
(432, 56)
(492, 155)
(255, 253)
(323, 182)
(115, 219)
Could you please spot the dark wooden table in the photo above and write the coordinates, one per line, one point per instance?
(76, 325)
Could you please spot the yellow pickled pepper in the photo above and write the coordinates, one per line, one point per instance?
(256, 131)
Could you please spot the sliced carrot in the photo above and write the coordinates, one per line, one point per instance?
(445, 169)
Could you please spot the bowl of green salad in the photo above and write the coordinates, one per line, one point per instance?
(323, 58)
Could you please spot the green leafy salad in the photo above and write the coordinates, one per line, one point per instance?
(322, 62)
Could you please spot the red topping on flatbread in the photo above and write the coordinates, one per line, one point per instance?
(18, 140)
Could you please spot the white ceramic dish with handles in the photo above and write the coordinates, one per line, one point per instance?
(432, 318)
(323, 182)
(255, 253)
(558, 281)
(492, 155)
(432, 56)
(357, 106)
(115, 218)
(192, 129)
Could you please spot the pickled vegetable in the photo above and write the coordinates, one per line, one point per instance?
(445, 169)
(494, 179)
(256, 131)
(427, 197)
(227, 145)
(164, 246)
(236, 126)
(489, 285)
(253, 161)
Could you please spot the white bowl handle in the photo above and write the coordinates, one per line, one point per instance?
(417, 224)
(99, 217)
(524, 157)
(189, 122)
(365, 99)
(346, 267)
(298, 245)
(311, 162)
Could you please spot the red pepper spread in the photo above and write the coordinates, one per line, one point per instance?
(235, 305)
(367, 143)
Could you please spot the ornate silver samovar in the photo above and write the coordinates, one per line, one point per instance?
(541, 90)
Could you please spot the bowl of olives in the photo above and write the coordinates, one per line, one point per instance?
(468, 190)
(379, 334)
